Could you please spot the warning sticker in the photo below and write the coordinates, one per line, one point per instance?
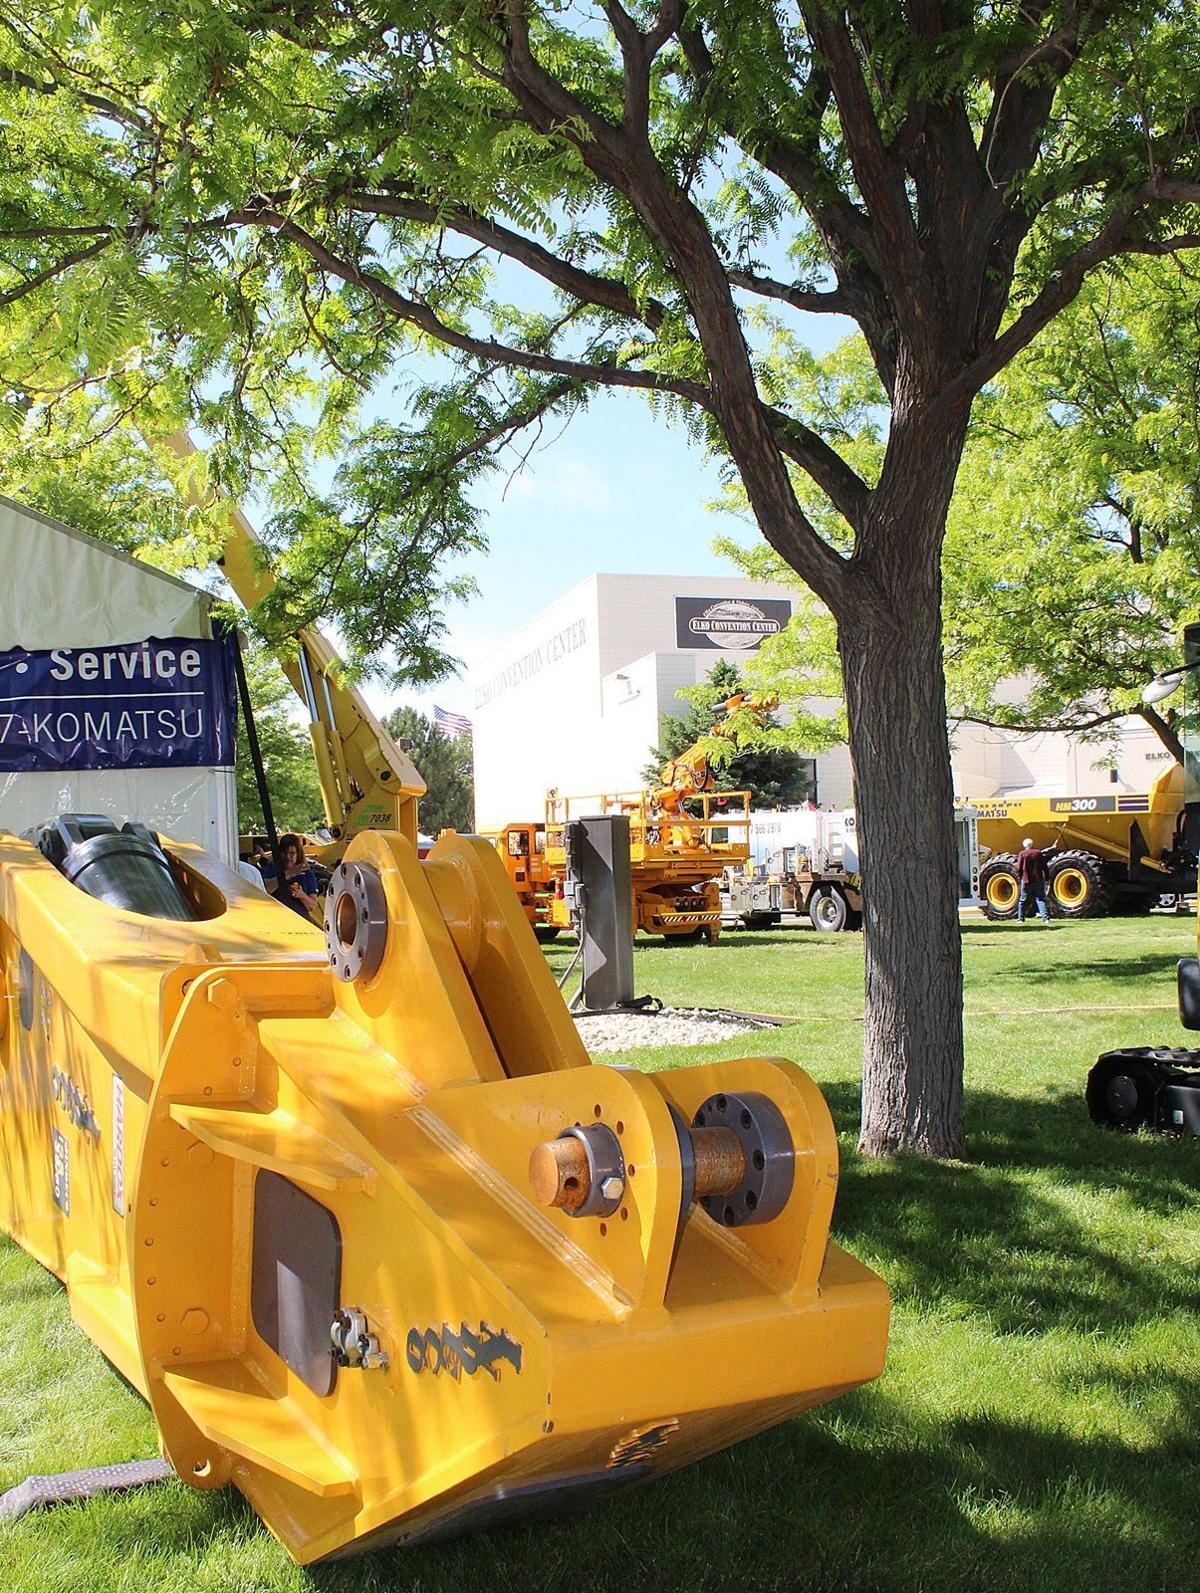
(62, 1173)
(118, 1145)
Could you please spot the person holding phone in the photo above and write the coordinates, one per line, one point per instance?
(299, 878)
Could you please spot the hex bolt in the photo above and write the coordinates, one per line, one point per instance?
(582, 1172)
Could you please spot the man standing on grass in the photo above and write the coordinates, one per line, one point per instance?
(1031, 871)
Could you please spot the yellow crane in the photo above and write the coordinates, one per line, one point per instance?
(682, 835)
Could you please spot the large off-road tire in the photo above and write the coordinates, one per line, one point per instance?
(999, 887)
(545, 933)
(1076, 886)
(828, 910)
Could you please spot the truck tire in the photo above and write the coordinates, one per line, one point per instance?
(999, 887)
(829, 910)
(1076, 886)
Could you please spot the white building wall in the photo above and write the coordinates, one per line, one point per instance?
(537, 710)
(991, 762)
(572, 701)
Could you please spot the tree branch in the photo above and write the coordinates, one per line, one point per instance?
(97, 102)
(1071, 725)
(841, 484)
(606, 292)
(1175, 245)
(56, 270)
(426, 320)
(1113, 238)
(880, 180)
(830, 301)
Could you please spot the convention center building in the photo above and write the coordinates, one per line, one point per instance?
(571, 700)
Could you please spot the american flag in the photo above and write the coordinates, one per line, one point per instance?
(451, 724)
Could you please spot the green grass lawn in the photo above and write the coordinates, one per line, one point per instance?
(1038, 1424)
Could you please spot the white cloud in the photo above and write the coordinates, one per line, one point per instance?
(557, 481)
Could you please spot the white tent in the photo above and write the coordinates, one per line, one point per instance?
(65, 590)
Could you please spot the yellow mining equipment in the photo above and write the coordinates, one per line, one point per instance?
(359, 1218)
(1116, 851)
(677, 859)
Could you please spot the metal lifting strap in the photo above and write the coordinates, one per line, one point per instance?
(64, 1487)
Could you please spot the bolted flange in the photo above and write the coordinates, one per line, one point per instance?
(356, 925)
(767, 1158)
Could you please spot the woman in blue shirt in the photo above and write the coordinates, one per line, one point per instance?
(300, 880)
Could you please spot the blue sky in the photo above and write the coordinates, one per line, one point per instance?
(619, 490)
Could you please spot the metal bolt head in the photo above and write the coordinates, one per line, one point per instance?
(612, 1188)
(223, 994)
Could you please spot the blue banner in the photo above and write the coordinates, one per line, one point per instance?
(135, 705)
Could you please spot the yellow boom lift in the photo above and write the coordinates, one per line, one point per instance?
(357, 1215)
(682, 836)
(365, 779)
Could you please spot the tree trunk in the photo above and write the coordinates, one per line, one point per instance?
(896, 704)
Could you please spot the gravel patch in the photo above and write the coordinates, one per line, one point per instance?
(628, 1031)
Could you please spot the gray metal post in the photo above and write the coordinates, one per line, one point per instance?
(598, 871)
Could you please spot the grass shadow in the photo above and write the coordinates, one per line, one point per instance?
(1025, 1235)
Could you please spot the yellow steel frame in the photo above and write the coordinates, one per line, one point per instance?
(678, 846)
(200, 1055)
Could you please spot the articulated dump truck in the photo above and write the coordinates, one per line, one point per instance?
(1117, 852)
(359, 1218)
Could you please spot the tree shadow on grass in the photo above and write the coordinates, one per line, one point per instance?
(1154, 971)
(1003, 1232)
(753, 940)
(867, 1497)
(876, 1494)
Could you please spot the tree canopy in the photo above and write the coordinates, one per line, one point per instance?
(255, 216)
(1073, 537)
(446, 767)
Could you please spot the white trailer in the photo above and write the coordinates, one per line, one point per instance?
(806, 862)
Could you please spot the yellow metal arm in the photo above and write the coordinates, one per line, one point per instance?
(691, 772)
(299, 1200)
(367, 782)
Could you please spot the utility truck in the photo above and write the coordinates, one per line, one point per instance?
(805, 862)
